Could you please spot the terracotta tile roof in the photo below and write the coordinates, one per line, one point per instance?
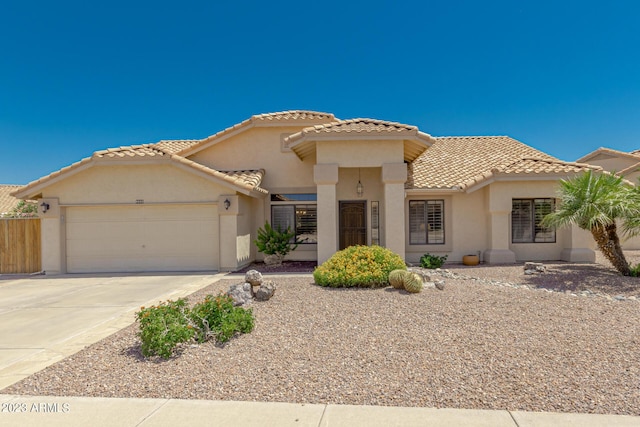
(146, 150)
(175, 146)
(251, 178)
(415, 142)
(7, 201)
(460, 162)
(294, 115)
(540, 166)
(360, 126)
(280, 117)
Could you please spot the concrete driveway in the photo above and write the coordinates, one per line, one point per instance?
(44, 319)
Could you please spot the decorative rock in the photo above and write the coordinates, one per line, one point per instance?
(439, 285)
(273, 259)
(265, 291)
(534, 268)
(241, 293)
(254, 277)
(422, 273)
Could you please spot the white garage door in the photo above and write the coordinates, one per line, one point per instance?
(142, 238)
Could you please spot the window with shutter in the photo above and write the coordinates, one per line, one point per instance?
(526, 218)
(426, 222)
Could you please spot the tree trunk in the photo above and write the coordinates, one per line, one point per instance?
(609, 244)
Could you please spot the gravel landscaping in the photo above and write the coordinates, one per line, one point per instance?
(563, 343)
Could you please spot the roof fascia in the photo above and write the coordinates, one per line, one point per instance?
(217, 138)
(32, 189)
(430, 191)
(210, 176)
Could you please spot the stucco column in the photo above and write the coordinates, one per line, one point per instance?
(228, 226)
(394, 175)
(326, 177)
(578, 245)
(52, 230)
(499, 252)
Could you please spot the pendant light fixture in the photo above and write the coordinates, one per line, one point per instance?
(359, 187)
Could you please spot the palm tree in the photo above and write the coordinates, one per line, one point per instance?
(594, 202)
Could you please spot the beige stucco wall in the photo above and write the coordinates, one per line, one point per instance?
(261, 148)
(153, 183)
(360, 153)
(480, 221)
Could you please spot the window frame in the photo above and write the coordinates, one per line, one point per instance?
(297, 206)
(535, 214)
(425, 224)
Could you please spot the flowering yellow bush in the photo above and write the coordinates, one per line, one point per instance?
(361, 266)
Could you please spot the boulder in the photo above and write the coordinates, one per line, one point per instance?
(265, 291)
(242, 293)
(254, 277)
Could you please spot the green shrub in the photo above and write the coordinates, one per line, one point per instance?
(362, 266)
(635, 270)
(432, 261)
(276, 242)
(217, 317)
(163, 327)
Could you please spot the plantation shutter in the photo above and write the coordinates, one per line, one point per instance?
(435, 219)
(417, 225)
(521, 221)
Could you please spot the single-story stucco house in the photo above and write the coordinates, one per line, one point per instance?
(189, 205)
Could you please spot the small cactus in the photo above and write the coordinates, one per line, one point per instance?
(396, 278)
(412, 282)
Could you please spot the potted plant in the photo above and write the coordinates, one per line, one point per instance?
(471, 259)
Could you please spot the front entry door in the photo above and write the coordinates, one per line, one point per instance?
(353, 224)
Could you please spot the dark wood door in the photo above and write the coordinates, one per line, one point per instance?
(353, 224)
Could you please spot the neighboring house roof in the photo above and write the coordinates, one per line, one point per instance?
(244, 181)
(459, 163)
(293, 117)
(634, 155)
(7, 201)
(416, 142)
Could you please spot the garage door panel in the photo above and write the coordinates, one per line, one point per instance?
(142, 238)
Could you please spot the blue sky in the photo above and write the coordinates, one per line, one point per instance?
(77, 76)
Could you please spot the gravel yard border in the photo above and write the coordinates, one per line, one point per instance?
(483, 343)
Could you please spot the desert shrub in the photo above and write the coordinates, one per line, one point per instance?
(217, 317)
(362, 266)
(163, 327)
(276, 242)
(635, 270)
(432, 261)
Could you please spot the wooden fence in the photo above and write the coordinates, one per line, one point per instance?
(20, 245)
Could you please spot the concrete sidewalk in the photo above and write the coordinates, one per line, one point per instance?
(28, 411)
